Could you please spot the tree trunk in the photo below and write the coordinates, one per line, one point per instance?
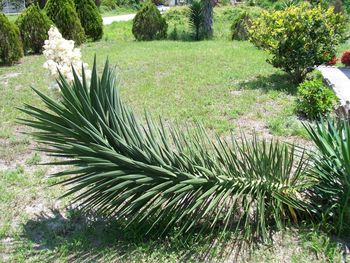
(208, 18)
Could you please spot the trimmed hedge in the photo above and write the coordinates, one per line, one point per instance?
(64, 15)
(11, 49)
(90, 18)
(33, 25)
(149, 24)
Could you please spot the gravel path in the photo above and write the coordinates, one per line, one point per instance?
(110, 19)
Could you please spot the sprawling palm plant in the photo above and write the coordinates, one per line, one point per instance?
(332, 170)
(155, 174)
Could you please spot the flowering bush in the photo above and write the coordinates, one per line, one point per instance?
(345, 58)
(298, 37)
(332, 62)
(61, 56)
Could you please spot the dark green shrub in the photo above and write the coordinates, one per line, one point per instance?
(90, 18)
(298, 38)
(315, 99)
(33, 25)
(240, 27)
(11, 49)
(148, 23)
(63, 14)
(242, 22)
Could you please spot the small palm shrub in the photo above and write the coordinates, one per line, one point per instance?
(315, 99)
(90, 18)
(11, 49)
(345, 58)
(164, 176)
(63, 14)
(33, 25)
(298, 38)
(332, 171)
(196, 18)
(149, 24)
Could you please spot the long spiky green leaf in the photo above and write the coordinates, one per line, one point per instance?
(163, 176)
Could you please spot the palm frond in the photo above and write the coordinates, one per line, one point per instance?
(196, 18)
(148, 172)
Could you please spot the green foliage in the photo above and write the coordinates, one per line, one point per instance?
(298, 38)
(109, 4)
(196, 18)
(63, 14)
(314, 99)
(11, 49)
(242, 21)
(33, 25)
(332, 171)
(149, 24)
(117, 4)
(162, 177)
(90, 18)
(178, 22)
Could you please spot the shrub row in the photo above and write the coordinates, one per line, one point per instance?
(76, 20)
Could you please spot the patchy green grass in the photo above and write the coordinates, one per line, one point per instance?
(225, 85)
(12, 17)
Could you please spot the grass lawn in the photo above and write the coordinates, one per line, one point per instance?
(226, 85)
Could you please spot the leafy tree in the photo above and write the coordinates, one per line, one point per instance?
(33, 25)
(298, 38)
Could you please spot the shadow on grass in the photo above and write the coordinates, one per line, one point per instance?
(88, 238)
(277, 81)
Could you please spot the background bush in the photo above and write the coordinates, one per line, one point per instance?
(177, 19)
(148, 23)
(63, 14)
(109, 4)
(33, 25)
(11, 49)
(90, 18)
(298, 38)
(242, 22)
(314, 98)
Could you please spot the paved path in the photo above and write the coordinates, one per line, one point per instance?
(339, 80)
(110, 19)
